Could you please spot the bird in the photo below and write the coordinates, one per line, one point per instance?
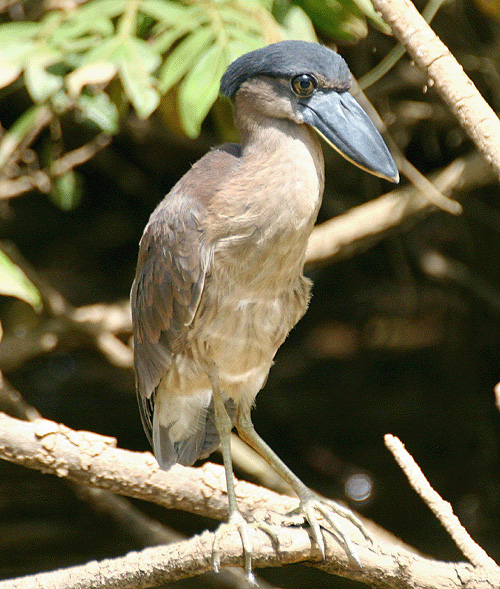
(219, 282)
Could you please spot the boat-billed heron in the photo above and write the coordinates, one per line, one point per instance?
(219, 280)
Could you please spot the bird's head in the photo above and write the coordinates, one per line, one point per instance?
(309, 84)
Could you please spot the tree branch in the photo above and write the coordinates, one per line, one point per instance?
(132, 522)
(439, 507)
(153, 567)
(366, 224)
(92, 459)
(446, 74)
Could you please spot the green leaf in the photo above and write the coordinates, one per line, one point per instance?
(163, 39)
(96, 10)
(9, 73)
(15, 283)
(76, 49)
(99, 109)
(66, 191)
(40, 83)
(298, 25)
(183, 57)
(367, 8)
(200, 88)
(143, 52)
(16, 51)
(17, 133)
(108, 50)
(135, 67)
(267, 4)
(246, 39)
(18, 31)
(78, 27)
(340, 19)
(239, 18)
(241, 44)
(164, 11)
(12, 59)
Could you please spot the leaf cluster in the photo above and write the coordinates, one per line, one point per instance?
(149, 46)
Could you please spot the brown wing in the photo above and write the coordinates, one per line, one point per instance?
(171, 271)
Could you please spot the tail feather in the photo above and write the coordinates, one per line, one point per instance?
(203, 440)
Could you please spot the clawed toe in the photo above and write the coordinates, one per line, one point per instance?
(327, 508)
(237, 521)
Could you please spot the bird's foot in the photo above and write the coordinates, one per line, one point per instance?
(311, 504)
(236, 520)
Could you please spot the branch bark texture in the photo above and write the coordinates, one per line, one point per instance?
(94, 460)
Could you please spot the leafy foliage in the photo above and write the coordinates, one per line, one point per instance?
(15, 283)
(343, 19)
(69, 57)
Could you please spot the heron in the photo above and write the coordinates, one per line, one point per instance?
(219, 281)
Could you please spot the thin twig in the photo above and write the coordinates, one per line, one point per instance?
(439, 507)
(429, 190)
(79, 156)
(42, 179)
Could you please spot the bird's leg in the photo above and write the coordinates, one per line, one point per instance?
(309, 500)
(224, 426)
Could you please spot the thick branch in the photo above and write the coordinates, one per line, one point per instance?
(93, 459)
(153, 567)
(89, 458)
(144, 530)
(446, 74)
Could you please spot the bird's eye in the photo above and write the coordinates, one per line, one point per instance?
(304, 85)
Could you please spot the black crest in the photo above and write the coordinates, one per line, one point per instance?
(287, 59)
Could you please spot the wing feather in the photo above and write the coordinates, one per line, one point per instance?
(171, 273)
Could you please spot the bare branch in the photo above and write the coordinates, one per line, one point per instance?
(42, 179)
(101, 322)
(144, 530)
(79, 156)
(448, 76)
(92, 459)
(366, 224)
(154, 567)
(424, 186)
(497, 395)
(439, 507)
(389, 61)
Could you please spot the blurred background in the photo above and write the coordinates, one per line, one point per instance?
(104, 105)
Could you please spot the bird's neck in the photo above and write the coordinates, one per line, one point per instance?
(277, 190)
(261, 135)
(283, 165)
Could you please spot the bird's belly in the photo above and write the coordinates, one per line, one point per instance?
(238, 332)
(243, 331)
